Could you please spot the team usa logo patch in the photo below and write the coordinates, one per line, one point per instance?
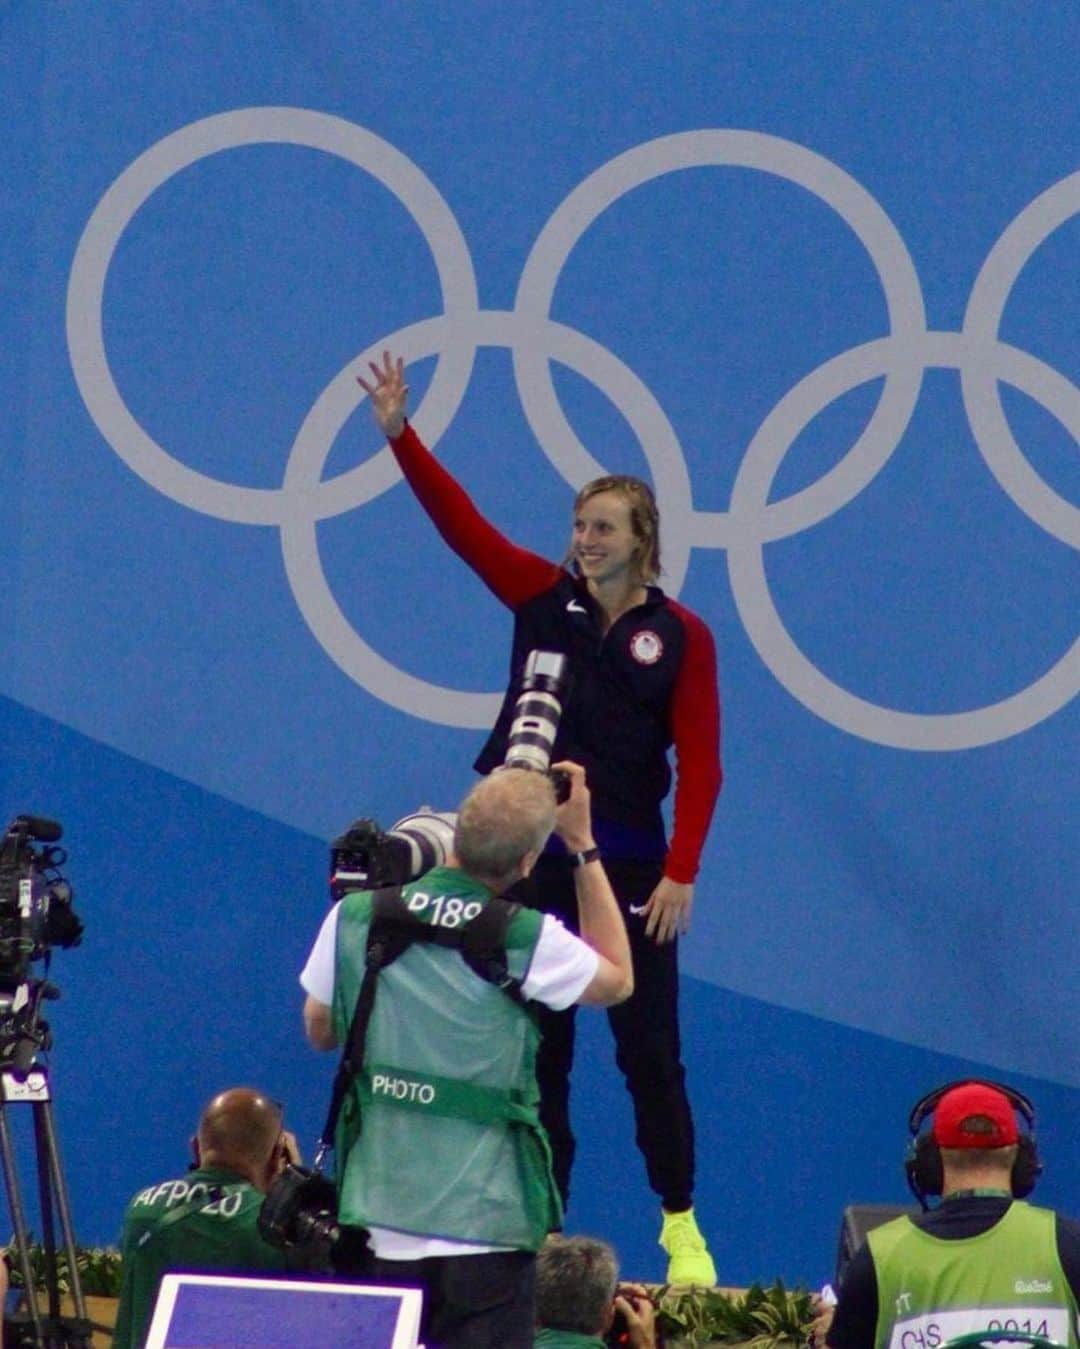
(646, 647)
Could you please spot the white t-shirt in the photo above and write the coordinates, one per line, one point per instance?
(562, 968)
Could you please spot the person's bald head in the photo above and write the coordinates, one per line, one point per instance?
(241, 1129)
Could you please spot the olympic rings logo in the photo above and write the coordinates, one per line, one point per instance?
(535, 338)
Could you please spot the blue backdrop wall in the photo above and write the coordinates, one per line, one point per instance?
(813, 269)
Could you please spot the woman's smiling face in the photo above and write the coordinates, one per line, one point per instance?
(604, 544)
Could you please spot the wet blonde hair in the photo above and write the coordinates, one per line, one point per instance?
(644, 519)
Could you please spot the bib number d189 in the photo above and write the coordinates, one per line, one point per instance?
(445, 910)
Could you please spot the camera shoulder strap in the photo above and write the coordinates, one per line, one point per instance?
(483, 947)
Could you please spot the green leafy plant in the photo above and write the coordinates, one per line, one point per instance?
(99, 1270)
(760, 1318)
(98, 1266)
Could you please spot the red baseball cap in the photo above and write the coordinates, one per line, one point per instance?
(974, 1115)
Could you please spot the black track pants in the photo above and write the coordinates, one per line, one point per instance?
(646, 1030)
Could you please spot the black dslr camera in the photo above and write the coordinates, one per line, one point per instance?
(619, 1335)
(299, 1213)
(366, 857)
(299, 1216)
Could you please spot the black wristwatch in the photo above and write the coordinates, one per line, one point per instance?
(579, 859)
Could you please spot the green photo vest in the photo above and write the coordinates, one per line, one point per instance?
(440, 1134)
(931, 1289)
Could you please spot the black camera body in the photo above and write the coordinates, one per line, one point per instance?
(300, 1213)
(299, 1216)
(366, 857)
(619, 1331)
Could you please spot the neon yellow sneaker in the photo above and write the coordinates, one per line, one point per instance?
(690, 1261)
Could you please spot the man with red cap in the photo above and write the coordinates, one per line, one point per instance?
(982, 1259)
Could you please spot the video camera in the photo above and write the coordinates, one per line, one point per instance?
(35, 899)
(35, 914)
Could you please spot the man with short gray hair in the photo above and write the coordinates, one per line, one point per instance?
(578, 1296)
(507, 816)
(451, 1171)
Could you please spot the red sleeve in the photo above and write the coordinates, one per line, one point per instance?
(695, 729)
(512, 574)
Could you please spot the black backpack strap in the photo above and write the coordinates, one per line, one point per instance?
(483, 947)
(481, 941)
(386, 941)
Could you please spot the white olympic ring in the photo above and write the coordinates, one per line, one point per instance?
(979, 376)
(784, 159)
(94, 254)
(753, 599)
(535, 339)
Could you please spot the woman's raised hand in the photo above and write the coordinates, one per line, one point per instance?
(388, 393)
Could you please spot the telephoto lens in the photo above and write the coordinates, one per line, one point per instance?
(537, 712)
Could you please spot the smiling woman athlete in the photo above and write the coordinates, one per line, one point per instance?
(642, 678)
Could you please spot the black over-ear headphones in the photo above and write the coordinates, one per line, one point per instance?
(923, 1166)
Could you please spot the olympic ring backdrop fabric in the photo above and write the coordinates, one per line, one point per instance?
(817, 280)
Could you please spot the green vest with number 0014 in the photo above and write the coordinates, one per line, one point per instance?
(440, 1135)
(931, 1289)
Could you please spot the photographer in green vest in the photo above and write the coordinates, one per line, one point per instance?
(440, 1151)
(981, 1259)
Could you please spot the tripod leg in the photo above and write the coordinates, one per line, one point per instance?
(48, 1227)
(18, 1219)
(49, 1168)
